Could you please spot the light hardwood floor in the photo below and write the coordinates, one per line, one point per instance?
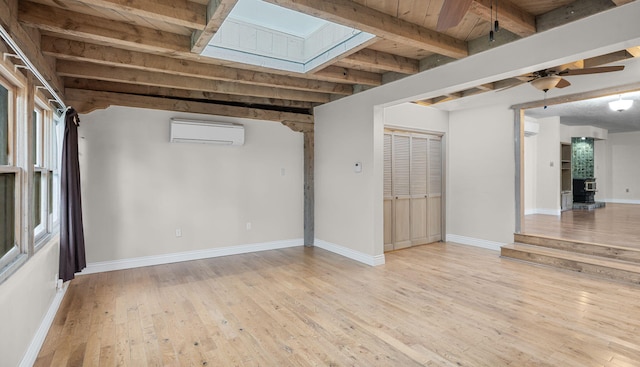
(615, 224)
(433, 305)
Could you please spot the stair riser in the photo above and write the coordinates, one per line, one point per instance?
(597, 270)
(583, 248)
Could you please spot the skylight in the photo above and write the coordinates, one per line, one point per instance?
(263, 34)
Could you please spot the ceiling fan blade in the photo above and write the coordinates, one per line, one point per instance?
(563, 83)
(597, 70)
(451, 13)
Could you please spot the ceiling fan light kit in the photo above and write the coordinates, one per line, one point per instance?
(620, 104)
(546, 83)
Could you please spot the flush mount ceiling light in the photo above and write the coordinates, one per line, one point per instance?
(546, 83)
(621, 104)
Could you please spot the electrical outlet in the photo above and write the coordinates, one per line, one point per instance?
(178, 232)
(248, 226)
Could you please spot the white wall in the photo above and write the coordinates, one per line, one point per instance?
(481, 193)
(414, 116)
(624, 150)
(530, 176)
(138, 188)
(25, 298)
(548, 167)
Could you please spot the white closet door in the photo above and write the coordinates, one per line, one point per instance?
(419, 182)
(401, 176)
(435, 190)
(388, 195)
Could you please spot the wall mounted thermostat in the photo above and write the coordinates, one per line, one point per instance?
(357, 167)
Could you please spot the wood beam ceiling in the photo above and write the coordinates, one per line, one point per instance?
(85, 101)
(96, 29)
(80, 51)
(382, 60)
(180, 12)
(109, 73)
(352, 14)
(510, 16)
(192, 95)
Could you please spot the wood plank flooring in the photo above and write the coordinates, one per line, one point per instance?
(615, 224)
(433, 305)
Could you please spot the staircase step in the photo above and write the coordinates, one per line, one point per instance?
(603, 267)
(588, 248)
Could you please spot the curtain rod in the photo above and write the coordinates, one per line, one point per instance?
(7, 38)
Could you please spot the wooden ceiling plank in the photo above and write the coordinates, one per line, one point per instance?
(180, 12)
(576, 10)
(85, 101)
(345, 75)
(106, 86)
(607, 59)
(31, 49)
(100, 29)
(115, 74)
(383, 61)
(510, 16)
(217, 12)
(80, 51)
(352, 14)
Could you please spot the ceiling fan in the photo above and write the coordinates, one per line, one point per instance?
(547, 79)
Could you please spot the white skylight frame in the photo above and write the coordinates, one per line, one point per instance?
(267, 35)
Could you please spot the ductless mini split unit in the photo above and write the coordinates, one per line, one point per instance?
(206, 132)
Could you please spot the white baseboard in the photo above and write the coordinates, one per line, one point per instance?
(621, 201)
(555, 212)
(476, 242)
(351, 254)
(99, 267)
(38, 339)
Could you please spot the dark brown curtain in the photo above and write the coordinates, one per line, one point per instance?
(72, 255)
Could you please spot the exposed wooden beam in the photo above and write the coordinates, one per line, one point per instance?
(352, 14)
(576, 10)
(80, 51)
(382, 60)
(196, 95)
(86, 101)
(634, 51)
(607, 59)
(344, 75)
(217, 12)
(179, 12)
(99, 29)
(510, 16)
(115, 74)
(30, 47)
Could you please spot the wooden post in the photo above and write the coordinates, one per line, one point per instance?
(308, 189)
(306, 129)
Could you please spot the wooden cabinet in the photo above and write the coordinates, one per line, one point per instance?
(566, 196)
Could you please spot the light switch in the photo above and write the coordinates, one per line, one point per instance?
(357, 167)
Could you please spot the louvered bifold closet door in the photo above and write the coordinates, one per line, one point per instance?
(388, 195)
(418, 179)
(435, 190)
(401, 183)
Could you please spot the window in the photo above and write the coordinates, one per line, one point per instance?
(9, 175)
(29, 151)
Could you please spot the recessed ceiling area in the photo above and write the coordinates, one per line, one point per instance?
(595, 112)
(266, 35)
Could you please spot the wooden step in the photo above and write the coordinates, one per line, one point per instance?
(599, 266)
(588, 248)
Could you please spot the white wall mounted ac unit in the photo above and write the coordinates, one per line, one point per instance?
(206, 132)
